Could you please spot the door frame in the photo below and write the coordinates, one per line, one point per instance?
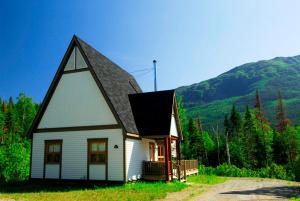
(89, 141)
(46, 145)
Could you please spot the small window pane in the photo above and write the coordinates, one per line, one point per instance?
(50, 148)
(101, 146)
(56, 148)
(94, 147)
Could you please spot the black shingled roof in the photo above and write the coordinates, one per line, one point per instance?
(152, 112)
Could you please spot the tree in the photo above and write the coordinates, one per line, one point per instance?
(26, 110)
(282, 120)
(235, 122)
(257, 103)
(291, 138)
(263, 136)
(184, 124)
(280, 144)
(195, 143)
(249, 138)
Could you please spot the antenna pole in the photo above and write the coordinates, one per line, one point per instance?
(155, 84)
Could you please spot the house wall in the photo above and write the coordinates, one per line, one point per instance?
(77, 101)
(136, 152)
(74, 154)
(173, 128)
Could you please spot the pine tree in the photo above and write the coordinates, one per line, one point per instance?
(263, 136)
(227, 125)
(283, 121)
(199, 123)
(235, 122)
(280, 142)
(185, 150)
(4, 106)
(249, 137)
(194, 148)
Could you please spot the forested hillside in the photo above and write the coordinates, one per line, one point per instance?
(213, 98)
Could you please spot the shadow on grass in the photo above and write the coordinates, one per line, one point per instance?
(51, 186)
(282, 192)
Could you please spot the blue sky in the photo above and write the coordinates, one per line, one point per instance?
(192, 40)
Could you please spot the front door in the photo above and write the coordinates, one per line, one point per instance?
(97, 159)
(53, 150)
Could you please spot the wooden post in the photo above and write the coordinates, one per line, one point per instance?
(184, 169)
(170, 158)
(167, 158)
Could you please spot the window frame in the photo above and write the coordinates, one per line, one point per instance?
(47, 144)
(97, 140)
(152, 151)
(161, 152)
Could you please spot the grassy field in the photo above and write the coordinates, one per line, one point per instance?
(139, 191)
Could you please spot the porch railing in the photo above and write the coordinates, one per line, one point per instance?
(154, 170)
(184, 168)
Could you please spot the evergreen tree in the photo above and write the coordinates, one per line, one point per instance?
(194, 138)
(263, 136)
(227, 125)
(199, 123)
(280, 144)
(185, 151)
(1, 126)
(257, 103)
(291, 138)
(249, 138)
(283, 121)
(235, 122)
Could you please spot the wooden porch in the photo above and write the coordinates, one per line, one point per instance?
(179, 170)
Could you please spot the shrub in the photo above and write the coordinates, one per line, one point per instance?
(15, 161)
(273, 171)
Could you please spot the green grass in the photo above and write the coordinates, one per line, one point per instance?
(207, 179)
(139, 191)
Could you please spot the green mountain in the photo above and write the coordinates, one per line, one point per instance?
(213, 98)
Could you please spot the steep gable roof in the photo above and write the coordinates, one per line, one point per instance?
(114, 82)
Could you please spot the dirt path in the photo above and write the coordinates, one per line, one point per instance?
(250, 189)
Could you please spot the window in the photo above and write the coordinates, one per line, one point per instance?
(97, 151)
(161, 152)
(75, 61)
(53, 151)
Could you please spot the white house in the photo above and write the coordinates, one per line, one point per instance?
(95, 123)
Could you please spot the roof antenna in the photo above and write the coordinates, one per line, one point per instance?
(154, 66)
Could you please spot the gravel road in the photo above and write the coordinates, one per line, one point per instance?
(251, 189)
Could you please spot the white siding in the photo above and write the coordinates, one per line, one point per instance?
(136, 152)
(173, 129)
(74, 153)
(77, 101)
